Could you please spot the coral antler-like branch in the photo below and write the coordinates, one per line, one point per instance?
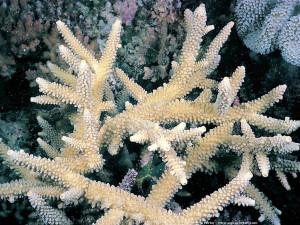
(163, 120)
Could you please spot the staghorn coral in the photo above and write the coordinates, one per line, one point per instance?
(63, 176)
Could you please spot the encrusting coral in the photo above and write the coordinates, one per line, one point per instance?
(62, 175)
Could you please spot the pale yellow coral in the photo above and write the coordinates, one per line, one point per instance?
(81, 151)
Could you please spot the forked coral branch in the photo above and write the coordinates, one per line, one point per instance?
(63, 174)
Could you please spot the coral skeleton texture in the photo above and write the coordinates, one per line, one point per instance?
(266, 25)
(63, 175)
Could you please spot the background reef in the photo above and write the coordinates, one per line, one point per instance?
(151, 38)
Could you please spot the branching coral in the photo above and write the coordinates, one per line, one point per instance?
(64, 176)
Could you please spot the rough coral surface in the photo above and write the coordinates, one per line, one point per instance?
(186, 134)
(268, 25)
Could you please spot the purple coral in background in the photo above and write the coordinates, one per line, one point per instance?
(128, 180)
(126, 10)
(165, 10)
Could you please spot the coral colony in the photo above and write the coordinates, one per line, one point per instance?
(266, 25)
(186, 134)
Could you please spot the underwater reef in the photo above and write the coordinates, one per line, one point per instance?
(268, 25)
(146, 112)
